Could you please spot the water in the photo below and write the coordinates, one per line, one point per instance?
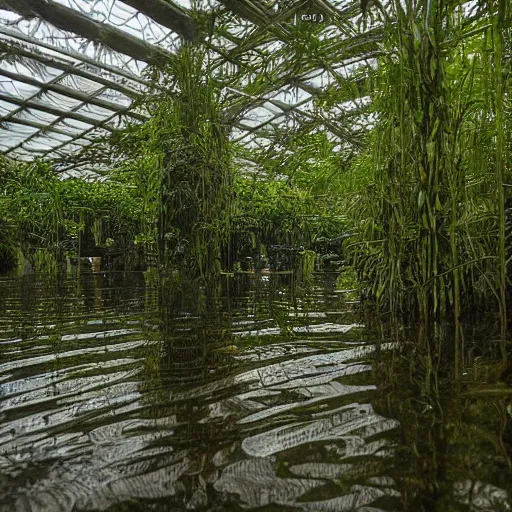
(117, 394)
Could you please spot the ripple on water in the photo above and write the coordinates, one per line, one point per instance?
(105, 399)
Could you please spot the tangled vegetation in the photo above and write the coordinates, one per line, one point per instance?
(181, 160)
(45, 219)
(428, 195)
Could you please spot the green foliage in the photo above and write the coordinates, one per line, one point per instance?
(426, 199)
(306, 266)
(43, 216)
(296, 196)
(181, 161)
(31, 209)
(274, 201)
(347, 280)
(7, 234)
(109, 209)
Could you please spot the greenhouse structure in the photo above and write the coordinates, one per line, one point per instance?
(255, 255)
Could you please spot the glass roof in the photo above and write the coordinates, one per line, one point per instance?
(71, 69)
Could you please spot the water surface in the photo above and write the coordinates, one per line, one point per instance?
(120, 394)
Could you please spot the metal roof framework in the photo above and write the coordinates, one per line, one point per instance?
(70, 70)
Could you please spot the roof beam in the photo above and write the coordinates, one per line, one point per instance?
(52, 61)
(335, 128)
(248, 10)
(68, 69)
(53, 110)
(169, 15)
(73, 21)
(33, 124)
(25, 103)
(258, 14)
(285, 111)
(67, 91)
(74, 138)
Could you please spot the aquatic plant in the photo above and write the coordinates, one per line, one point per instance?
(44, 219)
(427, 198)
(7, 238)
(181, 158)
(102, 216)
(306, 266)
(32, 213)
(294, 199)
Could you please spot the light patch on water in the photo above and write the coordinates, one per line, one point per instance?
(327, 328)
(356, 419)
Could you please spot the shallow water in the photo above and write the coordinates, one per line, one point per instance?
(118, 394)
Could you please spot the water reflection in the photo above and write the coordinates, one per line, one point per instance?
(128, 392)
(457, 445)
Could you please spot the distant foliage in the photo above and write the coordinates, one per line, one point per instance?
(42, 214)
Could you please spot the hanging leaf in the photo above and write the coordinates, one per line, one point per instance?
(421, 198)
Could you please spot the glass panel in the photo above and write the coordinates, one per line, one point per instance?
(58, 137)
(76, 125)
(60, 101)
(80, 84)
(38, 116)
(20, 129)
(22, 154)
(11, 136)
(30, 68)
(17, 89)
(41, 143)
(95, 112)
(116, 122)
(115, 97)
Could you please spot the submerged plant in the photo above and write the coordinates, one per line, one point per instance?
(306, 266)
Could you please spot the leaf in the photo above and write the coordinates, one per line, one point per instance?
(421, 198)
(434, 129)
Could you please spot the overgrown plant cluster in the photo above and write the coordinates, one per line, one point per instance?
(181, 157)
(44, 219)
(429, 193)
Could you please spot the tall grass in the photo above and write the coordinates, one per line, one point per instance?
(427, 198)
(183, 162)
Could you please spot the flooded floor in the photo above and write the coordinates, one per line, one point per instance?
(117, 394)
